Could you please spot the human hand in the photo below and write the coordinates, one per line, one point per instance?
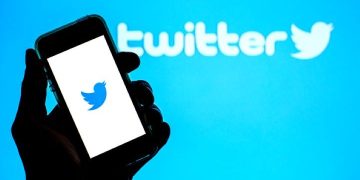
(44, 142)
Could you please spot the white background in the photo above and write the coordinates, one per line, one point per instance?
(79, 69)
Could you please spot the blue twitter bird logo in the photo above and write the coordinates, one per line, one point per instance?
(96, 98)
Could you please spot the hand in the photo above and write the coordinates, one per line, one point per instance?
(44, 142)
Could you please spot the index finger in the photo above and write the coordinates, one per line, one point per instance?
(33, 91)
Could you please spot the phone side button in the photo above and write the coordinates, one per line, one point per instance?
(51, 87)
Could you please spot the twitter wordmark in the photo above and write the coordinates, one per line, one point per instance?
(96, 98)
(196, 39)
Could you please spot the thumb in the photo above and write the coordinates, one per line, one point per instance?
(33, 90)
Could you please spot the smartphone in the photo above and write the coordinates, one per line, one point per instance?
(82, 72)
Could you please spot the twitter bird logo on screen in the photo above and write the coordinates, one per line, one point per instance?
(311, 44)
(96, 98)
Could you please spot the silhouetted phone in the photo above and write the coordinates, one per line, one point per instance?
(80, 66)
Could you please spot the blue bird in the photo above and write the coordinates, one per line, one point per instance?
(96, 98)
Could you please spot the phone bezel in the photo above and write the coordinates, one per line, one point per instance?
(72, 35)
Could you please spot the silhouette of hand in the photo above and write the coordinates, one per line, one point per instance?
(44, 142)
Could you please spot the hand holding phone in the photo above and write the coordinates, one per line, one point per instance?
(46, 143)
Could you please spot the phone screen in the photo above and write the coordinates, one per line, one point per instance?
(96, 96)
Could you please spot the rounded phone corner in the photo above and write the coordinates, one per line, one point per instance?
(96, 16)
(37, 45)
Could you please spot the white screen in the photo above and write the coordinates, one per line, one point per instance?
(105, 117)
